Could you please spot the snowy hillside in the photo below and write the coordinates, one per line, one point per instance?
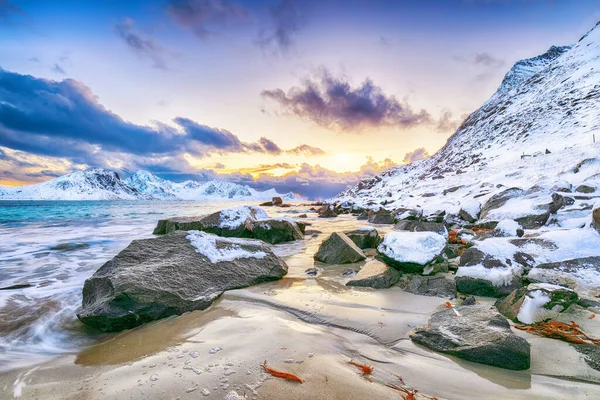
(101, 184)
(532, 133)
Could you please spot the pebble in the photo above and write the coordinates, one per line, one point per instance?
(154, 378)
(206, 392)
(194, 354)
(215, 350)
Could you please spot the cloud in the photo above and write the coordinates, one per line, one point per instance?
(142, 47)
(332, 103)
(447, 123)
(415, 155)
(202, 17)
(8, 9)
(269, 146)
(34, 59)
(306, 150)
(286, 23)
(488, 60)
(58, 69)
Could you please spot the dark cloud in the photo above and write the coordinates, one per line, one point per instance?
(286, 23)
(142, 47)
(331, 102)
(306, 150)
(447, 123)
(219, 166)
(202, 17)
(34, 59)
(45, 173)
(415, 155)
(58, 69)
(8, 9)
(488, 60)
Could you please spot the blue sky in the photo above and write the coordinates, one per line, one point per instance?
(298, 95)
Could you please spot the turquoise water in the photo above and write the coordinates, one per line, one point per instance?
(54, 246)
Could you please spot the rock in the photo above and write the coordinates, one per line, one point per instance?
(437, 216)
(499, 199)
(533, 221)
(277, 201)
(382, 216)
(339, 249)
(364, 216)
(469, 301)
(420, 226)
(470, 210)
(376, 275)
(17, 286)
(585, 189)
(348, 272)
(327, 212)
(434, 286)
(400, 214)
(411, 251)
(311, 271)
(276, 230)
(302, 216)
(559, 202)
(169, 275)
(231, 222)
(70, 246)
(266, 204)
(506, 228)
(365, 237)
(478, 334)
(568, 273)
(536, 302)
(596, 219)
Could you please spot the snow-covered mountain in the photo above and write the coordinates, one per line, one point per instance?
(533, 131)
(102, 184)
(91, 184)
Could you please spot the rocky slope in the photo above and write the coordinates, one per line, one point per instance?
(548, 103)
(102, 184)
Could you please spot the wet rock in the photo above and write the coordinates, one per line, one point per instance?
(411, 251)
(469, 301)
(276, 230)
(558, 202)
(382, 216)
(302, 216)
(434, 286)
(231, 222)
(339, 249)
(536, 302)
(266, 204)
(277, 201)
(421, 226)
(312, 272)
(478, 334)
(585, 189)
(363, 216)
(437, 216)
(596, 219)
(375, 274)
(17, 286)
(327, 212)
(172, 274)
(348, 272)
(70, 246)
(365, 237)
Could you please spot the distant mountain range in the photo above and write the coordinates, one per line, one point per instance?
(103, 184)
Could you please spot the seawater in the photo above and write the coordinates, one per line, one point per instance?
(54, 246)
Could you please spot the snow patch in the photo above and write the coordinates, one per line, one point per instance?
(206, 244)
(236, 216)
(412, 247)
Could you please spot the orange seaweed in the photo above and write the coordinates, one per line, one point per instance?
(592, 316)
(366, 369)
(448, 304)
(279, 374)
(560, 330)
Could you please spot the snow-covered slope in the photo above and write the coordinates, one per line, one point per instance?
(550, 102)
(91, 184)
(102, 184)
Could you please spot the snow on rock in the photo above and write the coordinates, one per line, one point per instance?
(470, 210)
(507, 227)
(411, 250)
(206, 244)
(231, 218)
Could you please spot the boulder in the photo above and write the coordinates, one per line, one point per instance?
(421, 226)
(558, 202)
(411, 251)
(231, 222)
(375, 274)
(536, 302)
(400, 214)
(499, 199)
(382, 216)
(276, 230)
(596, 219)
(506, 228)
(470, 210)
(339, 249)
(169, 275)
(568, 273)
(434, 286)
(527, 212)
(365, 237)
(277, 201)
(327, 212)
(585, 189)
(475, 333)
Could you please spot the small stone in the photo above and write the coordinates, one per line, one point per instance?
(154, 378)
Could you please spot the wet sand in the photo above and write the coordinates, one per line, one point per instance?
(310, 327)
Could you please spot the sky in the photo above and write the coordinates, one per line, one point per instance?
(306, 96)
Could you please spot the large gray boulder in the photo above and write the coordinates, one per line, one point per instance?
(596, 219)
(492, 211)
(339, 249)
(568, 273)
(500, 199)
(375, 274)
(231, 222)
(536, 302)
(434, 286)
(382, 216)
(475, 333)
(276, 230)
(169, 275)
(365, 237)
